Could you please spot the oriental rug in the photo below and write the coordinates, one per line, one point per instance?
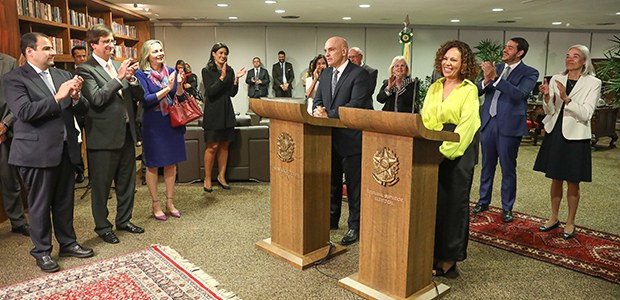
(591, 252)
(157, 272)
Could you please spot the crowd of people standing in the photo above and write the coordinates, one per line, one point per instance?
(41, 104)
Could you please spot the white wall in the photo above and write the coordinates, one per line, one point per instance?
(301, 43)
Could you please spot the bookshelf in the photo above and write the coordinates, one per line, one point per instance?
(66, 22)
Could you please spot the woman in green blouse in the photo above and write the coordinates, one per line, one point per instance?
(452, 104)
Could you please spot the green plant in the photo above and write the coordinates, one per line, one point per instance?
(489, 50)
(424, 85)
(609, 70)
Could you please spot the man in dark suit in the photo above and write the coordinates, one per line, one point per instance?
(111, 89)
(257, 80)
(79, 56)
(503, 122)
(356, 56)
(44, 148)
(9, 178)
(346, 84)
(283, 76)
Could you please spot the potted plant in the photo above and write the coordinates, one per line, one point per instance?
(608, 71)
(489, 50)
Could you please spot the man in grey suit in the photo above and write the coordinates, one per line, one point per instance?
(283, 76)
(44, 148)
(346, 84)
(257, 80)
(356, 56)
(9, 178)
(111, 89)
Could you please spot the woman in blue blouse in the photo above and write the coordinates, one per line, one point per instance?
(163, 145)
(451, 104)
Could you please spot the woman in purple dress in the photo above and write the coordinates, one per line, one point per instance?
(163, 145)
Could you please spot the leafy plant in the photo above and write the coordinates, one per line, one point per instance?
(422, 90)
(489, 50)
(609, 70)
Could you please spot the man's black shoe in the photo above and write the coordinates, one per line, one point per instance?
(24, 230)
(507, 216)
(350, 237)
(79, 178)
(480, 208)
(131, 228)
(109, 237)
(76, 251)
(47, 264)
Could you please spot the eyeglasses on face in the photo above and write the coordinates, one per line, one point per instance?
(109, 41)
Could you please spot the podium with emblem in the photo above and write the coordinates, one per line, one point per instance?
(400, 160)
(300, 156)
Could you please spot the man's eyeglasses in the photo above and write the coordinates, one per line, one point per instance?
(111, 42)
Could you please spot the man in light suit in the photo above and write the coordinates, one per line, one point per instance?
(257, 80)
(44, 147)
(506, 88)
(356, 56)
(283, 76)
(343, 84)
(9, 178)
(111, 90)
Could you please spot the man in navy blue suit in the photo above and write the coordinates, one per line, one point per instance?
(506, 88)
(343, 84)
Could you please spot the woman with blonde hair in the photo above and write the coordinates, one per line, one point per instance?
(162, 144)
(565, 153)
(397, 92)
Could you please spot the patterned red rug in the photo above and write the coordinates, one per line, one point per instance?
(157, 272)
(591, 252)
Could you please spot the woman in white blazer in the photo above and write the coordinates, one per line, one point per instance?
(565, 153)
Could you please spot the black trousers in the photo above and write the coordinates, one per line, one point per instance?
(50, 190)
(351, 166)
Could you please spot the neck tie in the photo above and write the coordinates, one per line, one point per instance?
(334, 81)
(47, 78)
(112, 72)
(493, 108)
(283, 73)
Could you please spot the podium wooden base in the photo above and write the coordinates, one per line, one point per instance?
(300, 262)
(352, 284)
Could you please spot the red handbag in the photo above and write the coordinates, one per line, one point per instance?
(184, 112)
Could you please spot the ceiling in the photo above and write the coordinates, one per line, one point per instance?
(574, 14)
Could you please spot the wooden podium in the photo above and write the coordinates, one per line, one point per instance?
(300, 156)
(400, 159)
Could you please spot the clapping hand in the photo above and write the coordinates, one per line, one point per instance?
(544, 89)
(489, 71)
(223, 71)
(562, 90)
(172, 78)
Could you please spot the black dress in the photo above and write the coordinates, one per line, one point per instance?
(562, 159)
(218, 120)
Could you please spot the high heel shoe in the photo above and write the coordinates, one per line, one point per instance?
(544, 228)
(160, 218)
(224, 186)
(208, 190)
(450, 273)
(173, 212)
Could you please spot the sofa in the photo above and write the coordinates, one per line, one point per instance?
(248, 157)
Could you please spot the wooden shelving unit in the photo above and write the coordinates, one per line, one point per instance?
(15, 24)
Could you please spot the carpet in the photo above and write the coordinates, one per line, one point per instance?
(157, 272)
(591, 252)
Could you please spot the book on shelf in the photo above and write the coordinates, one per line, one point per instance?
(57, 44)
(125, 52)
(126, 30)
(39, 9)
(76, 42)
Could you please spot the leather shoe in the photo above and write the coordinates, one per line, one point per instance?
(109, 237)
(566, 235)
(480, 208)
(47, 264)
(76, 251)
(350, 237)
(79, 178)
(131, 228)
(507, 216)
(24, 230)
(544, 228)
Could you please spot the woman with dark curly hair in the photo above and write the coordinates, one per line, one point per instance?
(451, 104)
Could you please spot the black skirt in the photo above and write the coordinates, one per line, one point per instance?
(219, 135)
(562, 159)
